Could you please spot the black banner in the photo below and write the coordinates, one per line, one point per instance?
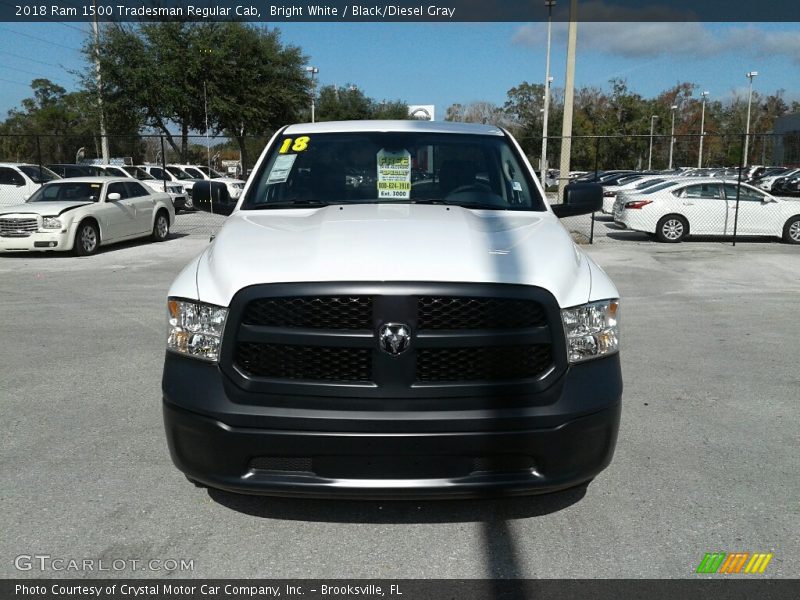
(732, 588)
(399, 10)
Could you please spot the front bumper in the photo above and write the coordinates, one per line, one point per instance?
(38, 241)
(562, 439)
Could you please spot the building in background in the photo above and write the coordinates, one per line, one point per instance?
(787, 140)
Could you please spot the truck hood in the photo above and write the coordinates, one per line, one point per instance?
(383, 242)
(49, 209)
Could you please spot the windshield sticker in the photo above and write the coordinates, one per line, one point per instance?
(281, 168)
(394, 174)
(298, 145)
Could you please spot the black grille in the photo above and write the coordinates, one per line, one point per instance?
(483, 364)
(283, 463)
(304, 362)
(323, 312)
(437, 312)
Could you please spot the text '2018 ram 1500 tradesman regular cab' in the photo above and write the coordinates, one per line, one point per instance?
(393, 309)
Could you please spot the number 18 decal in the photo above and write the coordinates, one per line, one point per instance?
(299, 144)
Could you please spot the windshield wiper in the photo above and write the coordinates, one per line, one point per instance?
(289, 204)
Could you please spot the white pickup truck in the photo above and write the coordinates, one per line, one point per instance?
(393, 309)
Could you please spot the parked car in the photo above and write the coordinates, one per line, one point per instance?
(436, 337)
(81, 214)
(19, 180)
(180, 179)
(709, 207)
(68, 170)
(180, 200)
(634, 184)
(235, 186)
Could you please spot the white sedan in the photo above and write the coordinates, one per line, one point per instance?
(83, 213)
(708, 207)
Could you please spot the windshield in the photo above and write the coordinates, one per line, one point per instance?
(193, 172)
(138, 173)
(473, 171)
(663, 186)
(67, 192)
(178, 173)
(38, 174)
(211, 172)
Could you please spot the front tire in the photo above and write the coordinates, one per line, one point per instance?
(672, 229)
(160, 227)
(791, 231)
(87, 239)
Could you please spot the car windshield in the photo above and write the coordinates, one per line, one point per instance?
(193, 172)
(663, 186)
(68, 191)
(138, 173)
(211, 172)
(473, 171)
(38, 174)
(178, 173)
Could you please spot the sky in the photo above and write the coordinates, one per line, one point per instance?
(444, 63)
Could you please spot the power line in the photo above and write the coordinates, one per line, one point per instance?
(41, 62)
(33, 73)
(38, 39)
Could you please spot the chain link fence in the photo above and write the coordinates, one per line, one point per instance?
(707, 197)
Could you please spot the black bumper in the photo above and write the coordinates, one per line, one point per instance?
(241, 442)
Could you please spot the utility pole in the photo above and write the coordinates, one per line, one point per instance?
(673, 108)
(704, 95)
(312, 71)
(569, 93)
(103, 136)
(650, 157)
(547, 82)
(750, 76)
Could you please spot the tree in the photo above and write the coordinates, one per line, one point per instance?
(255, 84)
(348, 103)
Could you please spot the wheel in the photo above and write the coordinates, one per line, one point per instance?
(160, 227)
(87, 239)
(791, 231)
(671, 229)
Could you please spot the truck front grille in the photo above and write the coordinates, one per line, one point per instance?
(437, 313)
(319, 363)
(304, 335)
(321, 312)
(483, 364)
(17, 227)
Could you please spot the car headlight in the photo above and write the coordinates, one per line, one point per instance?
(195, 328)
(50, 223)
(592, 330)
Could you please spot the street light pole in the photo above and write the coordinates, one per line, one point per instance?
(547, 81)
(674, 107)
(650, 157)
(569, 100)
(103, 136)
(312, 71)
(704, 95)
(750, 76)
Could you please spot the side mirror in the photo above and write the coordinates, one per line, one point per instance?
(26, 197)
(113, 197)
(580, 199)
(212, 197)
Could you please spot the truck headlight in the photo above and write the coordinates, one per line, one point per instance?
(195, 329)
(591, 330)
(50, 223)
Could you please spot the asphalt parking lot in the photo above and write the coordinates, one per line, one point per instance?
(706, 460)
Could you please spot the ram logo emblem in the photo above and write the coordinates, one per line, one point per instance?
(394, 338)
